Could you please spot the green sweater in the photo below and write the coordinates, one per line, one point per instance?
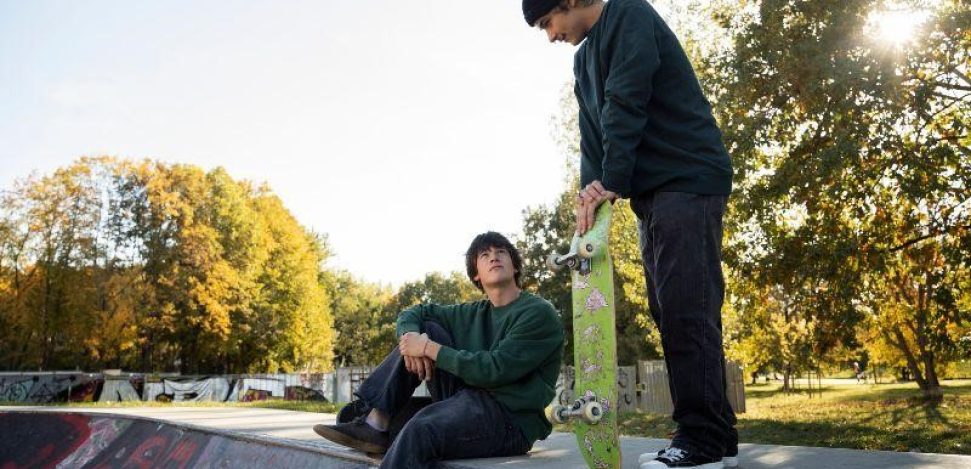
(645, 124)
(513, 351)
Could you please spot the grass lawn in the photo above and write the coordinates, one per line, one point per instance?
(890, 417)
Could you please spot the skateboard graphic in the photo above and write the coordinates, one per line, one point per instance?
(593, 414)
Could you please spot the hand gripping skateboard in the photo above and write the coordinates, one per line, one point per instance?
(593, 413)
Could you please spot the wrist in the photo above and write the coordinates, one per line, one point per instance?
(431, 350)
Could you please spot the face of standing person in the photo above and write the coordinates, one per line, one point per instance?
(569, 23)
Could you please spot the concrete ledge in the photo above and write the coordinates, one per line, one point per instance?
(250, 437)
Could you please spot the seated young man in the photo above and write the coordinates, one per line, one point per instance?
(490, 365)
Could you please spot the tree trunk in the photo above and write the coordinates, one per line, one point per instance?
(146, 357)
(901, 344)
(932, 389)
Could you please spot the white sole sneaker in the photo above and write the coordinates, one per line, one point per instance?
(655, 464)
(648, 456)
(727, 461)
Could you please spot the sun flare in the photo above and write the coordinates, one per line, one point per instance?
(896, 27)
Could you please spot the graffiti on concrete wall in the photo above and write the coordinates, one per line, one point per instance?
(120, 390)
(44, 387)
(50, 387)
(188, 389)
(323, 385)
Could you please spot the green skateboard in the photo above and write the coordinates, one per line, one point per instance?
(593, 413)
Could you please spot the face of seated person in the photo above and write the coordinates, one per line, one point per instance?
(494, 268)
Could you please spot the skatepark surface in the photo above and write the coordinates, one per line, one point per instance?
(250, 437)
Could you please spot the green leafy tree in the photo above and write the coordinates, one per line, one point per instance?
(852, 169)
(158, 267)
(365, 326)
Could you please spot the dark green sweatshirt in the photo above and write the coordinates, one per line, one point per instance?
(513, 351)
(645, 125)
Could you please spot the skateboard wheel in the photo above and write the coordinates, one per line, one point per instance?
(592, 412)
(587, 250)
(552, 264)
(558, 414)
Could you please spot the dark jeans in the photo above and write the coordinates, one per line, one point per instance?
(680, 238)
(461, 422)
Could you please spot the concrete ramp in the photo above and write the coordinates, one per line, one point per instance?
(75, 440)
(232, 437)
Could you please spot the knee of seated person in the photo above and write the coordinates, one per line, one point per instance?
(437, 332)
(419, 427)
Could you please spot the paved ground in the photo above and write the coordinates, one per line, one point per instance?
(557, 452)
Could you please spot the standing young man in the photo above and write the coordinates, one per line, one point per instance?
(647, 133)
(491, 367)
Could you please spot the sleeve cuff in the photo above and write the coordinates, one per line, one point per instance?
(406, 328)
(617, 185)
(447, 359)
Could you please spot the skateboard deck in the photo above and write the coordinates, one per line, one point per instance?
(593, 413)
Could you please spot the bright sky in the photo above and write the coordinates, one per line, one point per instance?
(400, 129)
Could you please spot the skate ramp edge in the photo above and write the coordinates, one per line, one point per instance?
(78, 439)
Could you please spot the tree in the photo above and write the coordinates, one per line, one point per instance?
(364, 323)
(154, 266)
(852, 169)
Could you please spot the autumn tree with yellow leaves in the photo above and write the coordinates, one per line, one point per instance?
(157, 267)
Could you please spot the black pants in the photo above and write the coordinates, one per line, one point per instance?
(680, 238)
(461, 422)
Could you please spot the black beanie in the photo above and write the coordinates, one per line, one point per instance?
(533, 10)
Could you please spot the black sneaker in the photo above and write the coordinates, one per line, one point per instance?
(352, 410)
(356, 434)
(729, 460)
(677, 457)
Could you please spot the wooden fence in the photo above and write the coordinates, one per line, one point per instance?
(645, 388)
(654, 395)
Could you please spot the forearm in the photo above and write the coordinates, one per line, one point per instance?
(492, 368)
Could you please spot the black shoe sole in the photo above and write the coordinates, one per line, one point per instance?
(348, 441)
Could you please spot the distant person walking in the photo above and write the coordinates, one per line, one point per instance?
(859, 373)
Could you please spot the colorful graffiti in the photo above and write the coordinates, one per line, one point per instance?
(51, 440)
(46, 387)
(40, 442)
(52, 387)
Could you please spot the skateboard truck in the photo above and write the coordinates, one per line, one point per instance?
(585, 408)
(577, 258)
